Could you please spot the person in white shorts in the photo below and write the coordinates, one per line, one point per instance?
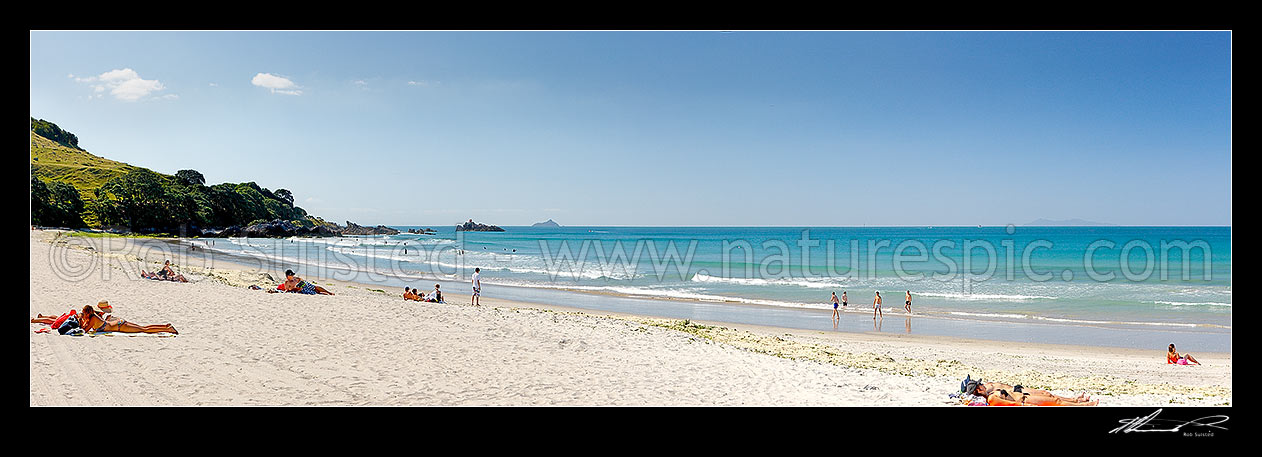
(477, 286)
(876, 306)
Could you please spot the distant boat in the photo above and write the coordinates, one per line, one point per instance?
(979, 225)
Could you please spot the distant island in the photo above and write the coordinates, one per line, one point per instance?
(74, 189)
(424, 231)
(549, 223)
(476, 227)
(1066, 223)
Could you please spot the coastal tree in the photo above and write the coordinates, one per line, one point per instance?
(55, 204)
(190, 177)
(285, 195)
(137, 199)
(53, 132)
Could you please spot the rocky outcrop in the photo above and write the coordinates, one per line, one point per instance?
(233, 231)
(274, 228)
(280, 228)
(356, 229)
(424, 231)
(549, 224)
(476, 227)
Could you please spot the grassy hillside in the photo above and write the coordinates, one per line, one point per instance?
(59, 162)
(115, 194)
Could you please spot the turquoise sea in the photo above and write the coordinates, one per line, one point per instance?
(1135, 283)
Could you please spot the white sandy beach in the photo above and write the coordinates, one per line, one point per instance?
(363, 347)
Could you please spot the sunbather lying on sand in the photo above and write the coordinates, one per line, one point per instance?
(1003, 397)
(51, 320)
(154, 276)
(1000, 394)
(293, 283)
(167, 273)
(46, 320)
(984, 389)
(159, 276)
(94, 321)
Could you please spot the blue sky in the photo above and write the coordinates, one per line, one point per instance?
(668, 128)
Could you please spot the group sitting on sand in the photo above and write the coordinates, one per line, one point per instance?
(1000, 394)
(93, 321)
(165, 274)
(436, 296)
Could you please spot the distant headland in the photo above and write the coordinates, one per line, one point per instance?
(72, 188)
(549, 223)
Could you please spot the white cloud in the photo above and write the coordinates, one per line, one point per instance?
(423, 83)
(124, 84)
(276, 84)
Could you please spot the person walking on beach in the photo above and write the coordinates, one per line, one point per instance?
(836, 314)
(477, 286)
(908, 306)
(876, 305)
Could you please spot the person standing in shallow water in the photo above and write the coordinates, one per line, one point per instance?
(908, 306)
(836, 314)
(876, 306)
(477, 286)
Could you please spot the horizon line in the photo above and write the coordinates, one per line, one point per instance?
(845, 226)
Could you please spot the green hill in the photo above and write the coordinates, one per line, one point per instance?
(58, 162)
(67, 180)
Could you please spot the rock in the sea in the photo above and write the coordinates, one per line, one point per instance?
(356, 229)
(275, 228)
(233, 231)
(476, 227)
(280, 228)
(549, 223)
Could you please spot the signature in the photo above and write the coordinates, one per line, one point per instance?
(1150, 422)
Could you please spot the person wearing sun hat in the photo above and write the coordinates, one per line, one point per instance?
(92, 320)
(106, 308)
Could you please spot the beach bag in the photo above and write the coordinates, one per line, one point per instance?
(62, 319)
(71, 323)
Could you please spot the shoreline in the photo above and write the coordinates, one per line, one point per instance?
(906, 370)
(944, 323)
